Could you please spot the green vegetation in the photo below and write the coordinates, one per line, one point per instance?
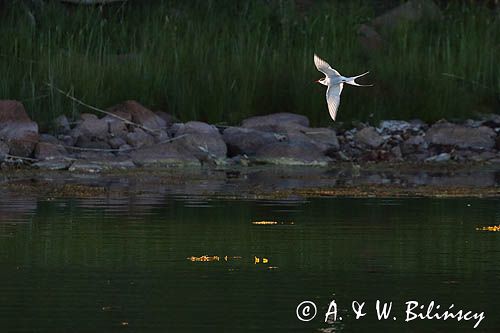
(222, 61)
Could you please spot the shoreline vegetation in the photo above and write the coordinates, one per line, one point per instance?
(224, 61)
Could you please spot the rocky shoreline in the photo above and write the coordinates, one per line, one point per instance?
(130, 136)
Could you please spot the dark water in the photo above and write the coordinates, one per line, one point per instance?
(106, 265)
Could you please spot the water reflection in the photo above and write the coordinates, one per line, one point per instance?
(161, 260)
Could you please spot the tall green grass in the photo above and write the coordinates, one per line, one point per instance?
(222, 61)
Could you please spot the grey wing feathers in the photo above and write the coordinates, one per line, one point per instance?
(333, 98)
(324, 67)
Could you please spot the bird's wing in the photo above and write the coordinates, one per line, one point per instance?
(333, 98)
(324, 67)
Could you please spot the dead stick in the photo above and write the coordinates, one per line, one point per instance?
(99, 110)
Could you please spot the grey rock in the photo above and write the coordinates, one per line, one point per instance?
(396, 153)
(16, 128)
(394, 126)
(139, 138)
(242, 140)
(269, 122)
(410, 11)
(49, 139)
(324, 136)
(443, 157)
(67, 140)
(444, 133)
(49, 151)
(167, 117)
(4, 151)
(368, 136)
(90, 128)
(88, 116)
(85, 142)
(201, 140)
(116, 142)
(85, 166)
(53, 164)
(286, 153)
(482, 157)
(140, 115)
(414, 144)
(165, 154)
(61, 125)
(116, 127)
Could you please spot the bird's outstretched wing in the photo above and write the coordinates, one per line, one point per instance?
(324, 67)
(333, 98)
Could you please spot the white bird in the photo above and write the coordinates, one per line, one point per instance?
(335, 82)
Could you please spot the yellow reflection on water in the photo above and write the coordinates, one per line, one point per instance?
(489, 228)
(270, 222)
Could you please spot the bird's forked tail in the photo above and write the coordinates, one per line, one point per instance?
(350, 80)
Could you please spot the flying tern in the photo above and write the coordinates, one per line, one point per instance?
(335, 82)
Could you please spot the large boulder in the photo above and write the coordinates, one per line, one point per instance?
(164, 154)
(138, 114)
(447, 134)
(410, 11)
(275, 121)
(139, 138)
(49, 151)
(325, 137)
(201, 140)
(90, 128)
(16, 128)
(291, 153)
(242, 140)
(369, 137)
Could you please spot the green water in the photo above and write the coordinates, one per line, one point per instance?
(120, 264)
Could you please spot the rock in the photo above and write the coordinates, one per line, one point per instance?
(140, 115)
(67, 140)
(90, 128)
(394, 126)
(202, 140)
(48, 138)
(16, 128)
(270, 122)
(324, 136)
(247, 141)
(414, 144)
(286, 153)
(444, 157)
(85, 166)
(53, 164)
(117, 128)
(49, 151)
(444, 133)
(164, 154)
(139, 138)
(4, 151)
(484, 156)
(61, 125)
(167, 117)
(410, 11)
(491, 120)
(369, 39)
(85, 142)
(396, 153)
(116, 143)
(88, 116)
(368, 136)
